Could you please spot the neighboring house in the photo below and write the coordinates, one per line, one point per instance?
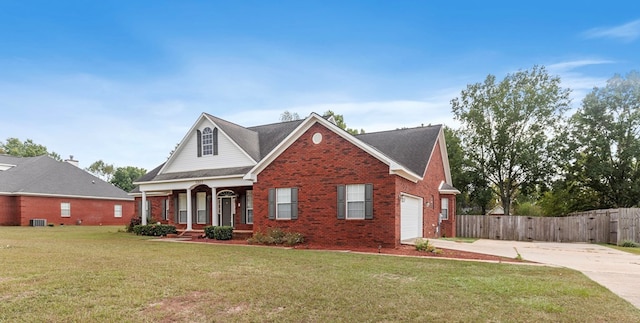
(307, 176)
(42, 188)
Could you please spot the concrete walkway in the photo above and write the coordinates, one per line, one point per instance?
(616, 270)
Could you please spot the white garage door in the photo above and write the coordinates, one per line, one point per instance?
(410, 217)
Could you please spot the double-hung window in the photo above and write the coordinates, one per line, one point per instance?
(117, 211)
(283, 203)
(182, 208)
(65, 209)
(355, 201)
(249, 205)
(201, 205)
(444, 209)
(207, 141)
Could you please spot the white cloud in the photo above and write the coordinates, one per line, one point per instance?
(627, 32)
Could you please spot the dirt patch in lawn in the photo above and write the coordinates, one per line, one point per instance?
(403, 250)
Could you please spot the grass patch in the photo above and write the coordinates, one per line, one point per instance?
(625, 249)
(461, 239)
(81, 273)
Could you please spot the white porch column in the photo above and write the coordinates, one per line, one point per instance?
(143, 206)
(189, 206)
(214, 207)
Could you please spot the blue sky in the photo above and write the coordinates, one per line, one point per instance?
(123, 81)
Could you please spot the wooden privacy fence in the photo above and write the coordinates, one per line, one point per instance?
(598, 226)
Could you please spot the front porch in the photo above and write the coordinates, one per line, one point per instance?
(237, 234)
(195, 204)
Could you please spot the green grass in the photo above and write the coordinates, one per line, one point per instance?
(460, 239)
(88, 274)
(626, 249)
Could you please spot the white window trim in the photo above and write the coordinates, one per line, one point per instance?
(249, 198)
(201, 206)
(207, 141)
(278, 203)
(65, 212)
(444, 210)
(182, 207)
(347, 201)
(117, 211)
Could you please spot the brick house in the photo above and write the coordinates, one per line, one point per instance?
(54, 192)
(307, 176)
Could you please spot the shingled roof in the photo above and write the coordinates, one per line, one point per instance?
(410, 147)
(44, 175)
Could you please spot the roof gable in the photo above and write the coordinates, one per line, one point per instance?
(394, 166)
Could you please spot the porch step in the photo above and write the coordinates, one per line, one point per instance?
(237, 234)
(190, 234)
(242, 234)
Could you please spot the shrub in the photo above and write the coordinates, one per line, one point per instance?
(423, 245)
(134, 221)
(630, 244)
(155, 230)
(219, 232)
(276, 236)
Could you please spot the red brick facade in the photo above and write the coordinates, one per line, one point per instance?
(317, 169)
(18, 210)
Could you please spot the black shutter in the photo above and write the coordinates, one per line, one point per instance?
(199, 143)
(341, 202)
(243, 208)
(207, 207)
(368, 201)
(149, 205)
(194, 208)
(272, 203)
(215, 141)
(294, 203)
(140, 208)
(164, 209)
(176, 208)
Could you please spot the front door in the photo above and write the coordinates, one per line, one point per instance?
(226, 211)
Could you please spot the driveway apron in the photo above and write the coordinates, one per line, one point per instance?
(616, 270)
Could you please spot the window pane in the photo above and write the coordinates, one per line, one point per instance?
(182, 202)
(444, 208)
(202, 216)
(207, 141)
(355, 210)
(117, 211)
(65, 209)
(355, 192)
(250, 199)
(249, 216)
(284, 211)
(284, 195)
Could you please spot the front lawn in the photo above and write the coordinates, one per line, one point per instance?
(82, 274)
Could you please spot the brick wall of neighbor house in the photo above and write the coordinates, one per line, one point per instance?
(428, 190)
(88, 211)
(9, 210)
(316, 170)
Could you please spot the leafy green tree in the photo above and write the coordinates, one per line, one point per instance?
(507, 128)
(604, 143)
(15, 147)
(101, 169)
(340, 122)
(124, 177)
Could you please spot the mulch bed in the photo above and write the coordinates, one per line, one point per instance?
(403, 250)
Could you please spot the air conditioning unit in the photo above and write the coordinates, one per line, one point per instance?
(38, 222)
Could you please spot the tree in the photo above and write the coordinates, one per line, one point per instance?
(101, 169)
(124, 177)
(339, 119)
(604, 142)
(288, 116)
(15, 147)
(507, 127)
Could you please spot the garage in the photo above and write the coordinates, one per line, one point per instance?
(410, 217)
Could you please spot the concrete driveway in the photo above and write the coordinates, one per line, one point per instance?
(616, 270)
